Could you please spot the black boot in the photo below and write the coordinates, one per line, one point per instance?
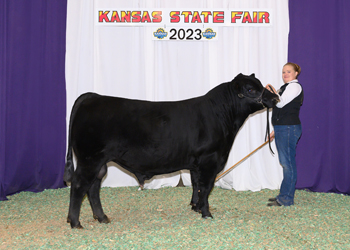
(274, 203)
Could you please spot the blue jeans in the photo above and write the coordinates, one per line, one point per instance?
(286, 139)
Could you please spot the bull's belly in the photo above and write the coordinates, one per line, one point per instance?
(153, 165)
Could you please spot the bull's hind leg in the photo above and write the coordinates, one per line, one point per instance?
(82, 180)
(94, 197)
(77, 193)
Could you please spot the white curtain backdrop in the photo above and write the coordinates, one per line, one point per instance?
(125, 62)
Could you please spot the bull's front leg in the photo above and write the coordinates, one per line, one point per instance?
(195, 197)
(206, 184)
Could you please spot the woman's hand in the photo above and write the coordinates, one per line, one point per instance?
(272, 135)
(271, 88)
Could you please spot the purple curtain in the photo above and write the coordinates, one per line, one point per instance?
(319, 41)
(32, 95)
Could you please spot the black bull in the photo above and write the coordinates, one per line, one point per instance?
(152, 138)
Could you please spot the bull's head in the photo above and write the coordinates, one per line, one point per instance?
(250, 87)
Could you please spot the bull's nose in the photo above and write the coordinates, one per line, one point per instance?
(275, 100)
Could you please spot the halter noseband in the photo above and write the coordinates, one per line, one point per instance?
(257, 99)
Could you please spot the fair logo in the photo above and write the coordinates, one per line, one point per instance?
(160, 33)
(209, 33)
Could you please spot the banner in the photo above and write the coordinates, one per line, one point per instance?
(186, 17)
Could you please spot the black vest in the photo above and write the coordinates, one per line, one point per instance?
(288, 114)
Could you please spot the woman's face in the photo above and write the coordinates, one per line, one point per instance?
(288, 73)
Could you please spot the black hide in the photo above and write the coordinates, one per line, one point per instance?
(151, 138)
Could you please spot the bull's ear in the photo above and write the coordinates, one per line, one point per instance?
(252, 75)
(240, 75)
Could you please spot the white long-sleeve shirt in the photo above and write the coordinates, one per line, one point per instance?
(292, 90)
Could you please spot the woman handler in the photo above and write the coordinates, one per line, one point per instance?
(287, 131)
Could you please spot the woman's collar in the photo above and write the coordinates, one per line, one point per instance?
(292, 81)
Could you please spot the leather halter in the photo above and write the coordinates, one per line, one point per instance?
(257, 99)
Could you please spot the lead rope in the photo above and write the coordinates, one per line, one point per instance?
(228, 170)
(268, 125)
(267, 135)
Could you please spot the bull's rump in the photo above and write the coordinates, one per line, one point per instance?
(142, 136)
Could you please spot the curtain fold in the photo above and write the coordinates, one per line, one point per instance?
(3, 70)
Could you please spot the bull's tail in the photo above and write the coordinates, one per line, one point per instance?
(69, 168)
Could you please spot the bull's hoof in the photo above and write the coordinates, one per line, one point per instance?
(78, 227)
(104, 219)
(206, 216)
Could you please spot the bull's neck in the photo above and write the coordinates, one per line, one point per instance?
(232, 114)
